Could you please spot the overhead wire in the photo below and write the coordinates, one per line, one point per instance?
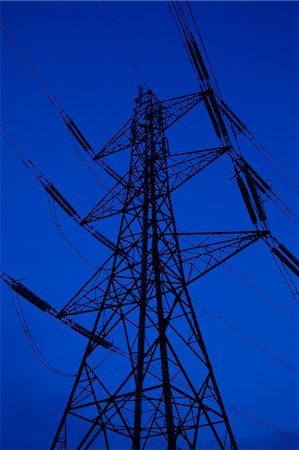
(26, 161)
(38, 174)
(247, 338)
(126, 46)
(267, 155)
(274, 163)
(260, 422)
(204, 49)
(31, 67)
(288, 280)
(41, 82)
(285, 225)
(261, 293)
(86, 165)
(33, 345)
(178, 23)
(184, 24)
(60, 230)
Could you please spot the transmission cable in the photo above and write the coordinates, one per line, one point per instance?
(285, 224)
(31, 67)
(38, 174)
(20, 153)
(177, 19)
(260, 422)
(184, 26)
(261, 293)
(274, 163)
(204, 49)
(126, 46)
(248, 339)
(267, 155)
(32, 342)
(289, 282)
(86, 165)
(60, 230)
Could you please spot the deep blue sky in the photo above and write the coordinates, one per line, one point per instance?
(253, 47)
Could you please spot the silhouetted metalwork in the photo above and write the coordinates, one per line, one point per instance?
(164, 389)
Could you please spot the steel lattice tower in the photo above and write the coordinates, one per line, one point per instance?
(164, 392)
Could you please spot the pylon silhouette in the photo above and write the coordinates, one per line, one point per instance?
(161, 390)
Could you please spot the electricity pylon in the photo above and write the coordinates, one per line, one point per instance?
(161, 392)
(145, 379)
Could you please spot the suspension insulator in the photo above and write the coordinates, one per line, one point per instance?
(233, 117)
(200, 59)
(19, 288)
(285, 261)
(256, 197)
(246, 198)
(217, 113)
(88, 334)
(263, 186)
(103, 239)
(59, 198)
(194, 59)
(289, 254)
(212, 115)
(78, 135)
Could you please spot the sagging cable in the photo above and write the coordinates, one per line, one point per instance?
(41, 304)
(65, 238)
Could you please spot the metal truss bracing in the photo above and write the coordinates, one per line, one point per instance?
(159, 389)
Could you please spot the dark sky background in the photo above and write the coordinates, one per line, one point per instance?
(254, 51)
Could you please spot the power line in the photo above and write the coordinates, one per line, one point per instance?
(33, 345)
(261, 293)
(245, 337)
(267, 155)
(126, 47)
(71, 245)
(31, 67)
(204, 49)
(85, 164)
(274, 163)
(260, 422)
